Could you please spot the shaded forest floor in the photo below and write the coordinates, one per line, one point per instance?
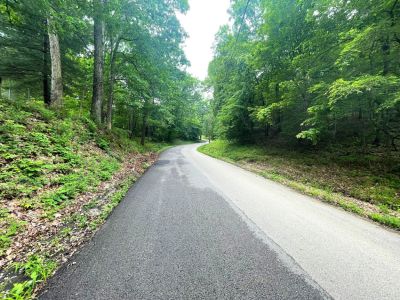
(60, 179)
(365, 184)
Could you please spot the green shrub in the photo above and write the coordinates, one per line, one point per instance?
(37, 269)
(10, 227)
(103, 144)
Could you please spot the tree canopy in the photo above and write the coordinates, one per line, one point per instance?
(309, 71)
(119, 61)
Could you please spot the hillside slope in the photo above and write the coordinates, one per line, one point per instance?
(60, 178)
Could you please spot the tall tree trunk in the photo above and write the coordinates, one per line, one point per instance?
(45, 70)
(56, 92)
(98, 34)
(112, 80)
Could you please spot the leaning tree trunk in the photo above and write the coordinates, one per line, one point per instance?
(98, 34)
(56, 91)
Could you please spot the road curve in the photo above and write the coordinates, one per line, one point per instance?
(194, 227)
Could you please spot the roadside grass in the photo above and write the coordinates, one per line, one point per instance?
(115, 199)
(365, 184)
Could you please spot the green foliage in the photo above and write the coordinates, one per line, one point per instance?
(281, 77)
(287, 76)
(9, 226)
(46, 163)
(311, 134)
(37, 269)
(152, 97)
(103, 144)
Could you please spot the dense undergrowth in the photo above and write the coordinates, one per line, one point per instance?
(366, 184)
(46, 162)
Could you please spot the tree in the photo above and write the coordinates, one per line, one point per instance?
(56, 93)
(24, 46)
(129, 52)
(98, 35)
(25, 56)
(308, 72)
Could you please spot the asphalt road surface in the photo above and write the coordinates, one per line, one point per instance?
(194, 227)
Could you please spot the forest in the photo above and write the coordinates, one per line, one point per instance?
(119, 63)
(309, 73)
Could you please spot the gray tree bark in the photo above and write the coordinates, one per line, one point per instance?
(56, 89)
(45, 72)
(98, 89)
(112, 80)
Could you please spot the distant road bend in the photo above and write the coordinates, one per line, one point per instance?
(194, 227)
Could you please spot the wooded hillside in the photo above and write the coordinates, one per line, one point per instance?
(309, 73)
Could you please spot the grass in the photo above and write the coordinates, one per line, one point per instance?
(387, 220)
(365, 184)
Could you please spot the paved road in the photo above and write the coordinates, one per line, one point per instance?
(197, 228)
